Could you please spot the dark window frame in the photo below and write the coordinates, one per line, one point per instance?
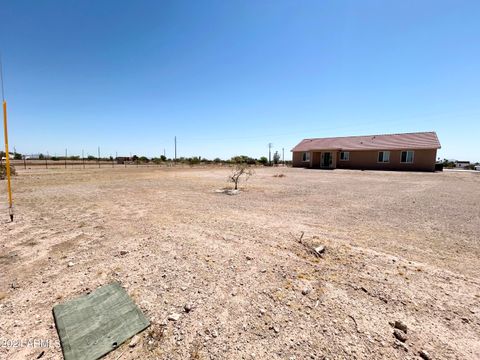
(382, 161)
(347, 157)
(406, 156)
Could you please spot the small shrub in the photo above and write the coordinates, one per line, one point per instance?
(239, 171)
(279, 175)
(3, 171)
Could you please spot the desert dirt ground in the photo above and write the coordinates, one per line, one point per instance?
(399, 246)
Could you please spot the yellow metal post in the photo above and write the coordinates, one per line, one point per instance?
(7, 162)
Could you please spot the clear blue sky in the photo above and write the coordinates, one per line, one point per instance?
(228, 77)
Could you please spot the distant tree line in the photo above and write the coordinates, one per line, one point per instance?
(195, 160)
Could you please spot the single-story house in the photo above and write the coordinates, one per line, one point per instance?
(411, 151)
(462, 164)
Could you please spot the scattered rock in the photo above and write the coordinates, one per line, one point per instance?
(306, 291)
(424, 355)
(249, 257)
(123, 252)
(263, 311)
(15, 284)
(174, 317)
(400, 335)
(135, 340)
(319, 250)
(70, 264)
(400, 325)
(214, 333)
(228, 191)
(187, 307)
(401, 345)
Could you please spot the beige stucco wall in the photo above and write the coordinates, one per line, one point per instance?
(423, 160)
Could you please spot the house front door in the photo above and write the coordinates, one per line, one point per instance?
(326, 159)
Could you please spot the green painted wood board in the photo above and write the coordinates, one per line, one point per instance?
(91, 326)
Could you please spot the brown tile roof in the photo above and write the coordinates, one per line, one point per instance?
(418, 140)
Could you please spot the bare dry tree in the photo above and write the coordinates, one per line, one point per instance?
(239, 171)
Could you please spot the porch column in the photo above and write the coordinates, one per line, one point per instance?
(311, 159)
(334, 159)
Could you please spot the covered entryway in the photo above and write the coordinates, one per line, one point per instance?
(326, 160)
(323, 160)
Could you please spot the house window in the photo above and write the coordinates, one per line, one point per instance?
(306, 156)
(344, 155)
(384, 156)
(406, 157)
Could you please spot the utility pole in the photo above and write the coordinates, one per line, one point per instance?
(270, 153)
(175, 149)
(83, 159)
(283, 156)
(99, 157)
(65, 158)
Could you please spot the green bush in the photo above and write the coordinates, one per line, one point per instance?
(263, 160)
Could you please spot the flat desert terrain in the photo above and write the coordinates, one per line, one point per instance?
(398, 247)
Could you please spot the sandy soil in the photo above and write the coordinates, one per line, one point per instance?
(399, 246)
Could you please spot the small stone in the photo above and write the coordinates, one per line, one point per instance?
(183, 288)
(249, 257)
(263, 270)
(70, 264)
(174, 317)
(214, 333)
(135, 340)
(401, 345)
(319, 250)
(123, 252)
(305, 291)
(263, 311)
(187, 307)
(424, 355)
(276, 329)
(400, 335)
(400, 325)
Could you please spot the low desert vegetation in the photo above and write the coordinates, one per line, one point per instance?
(3, 171)
(240, 171)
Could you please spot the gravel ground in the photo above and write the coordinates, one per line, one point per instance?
(399, 247)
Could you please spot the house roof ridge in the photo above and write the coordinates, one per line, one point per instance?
(373, 135)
